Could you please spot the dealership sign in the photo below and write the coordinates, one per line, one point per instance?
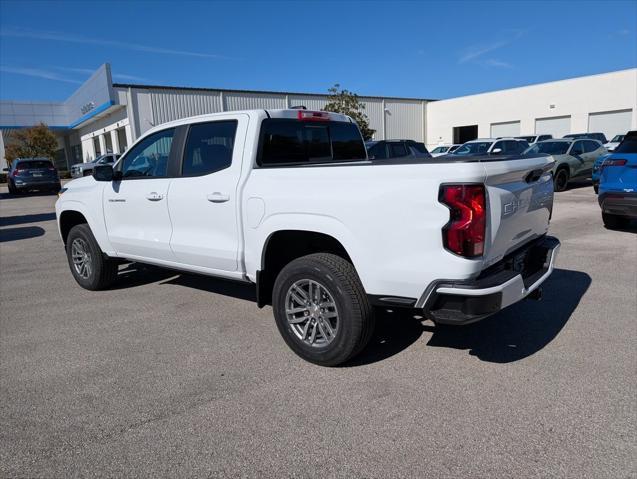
(87, 107)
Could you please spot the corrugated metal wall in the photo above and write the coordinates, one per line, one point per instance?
(404, 118)
(253, 101)
(168, 105)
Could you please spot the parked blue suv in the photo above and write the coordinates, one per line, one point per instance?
(618, 183)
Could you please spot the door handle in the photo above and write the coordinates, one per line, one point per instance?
(154, 196)
(217, 197)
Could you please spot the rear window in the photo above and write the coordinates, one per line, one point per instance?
(34, 164)
(629, 145)
(290, 142)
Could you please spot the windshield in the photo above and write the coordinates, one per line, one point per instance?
(550, 147)
(440, 149)
(617, 138)
(530, 139)
(629, 145)
(476, 148)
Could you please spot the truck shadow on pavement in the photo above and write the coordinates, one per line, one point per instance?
(22, 219)
(513, 334)
(20, 233)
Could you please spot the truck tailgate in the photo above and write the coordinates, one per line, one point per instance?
(520, 196)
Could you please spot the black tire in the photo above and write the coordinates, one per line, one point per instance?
(12, 189)
(103, 271)
(560, 182)
(355, 314)
(613, 221)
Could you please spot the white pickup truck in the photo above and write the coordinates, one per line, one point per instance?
(288, 199)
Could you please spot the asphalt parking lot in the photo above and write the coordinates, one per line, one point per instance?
(179, 375)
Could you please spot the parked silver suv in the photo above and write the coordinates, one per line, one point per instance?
(85, 169)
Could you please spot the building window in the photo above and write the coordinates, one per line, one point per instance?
(96, 144)
(109, 143)
(121, 136)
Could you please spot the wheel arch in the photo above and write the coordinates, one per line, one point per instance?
(284, 245)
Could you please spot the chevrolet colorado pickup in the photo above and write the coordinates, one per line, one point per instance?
(288, 200)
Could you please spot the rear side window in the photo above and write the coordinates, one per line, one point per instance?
(289, 142)
(209, 147)
(590, 146)
(419, 147)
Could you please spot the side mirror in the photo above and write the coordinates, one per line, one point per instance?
(496, 151)
(103, 173)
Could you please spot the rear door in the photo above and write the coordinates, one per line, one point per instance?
(135, 208)
(204, 199)
(520, 194)
(577, 160)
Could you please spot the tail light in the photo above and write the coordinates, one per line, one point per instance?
(613, 162)
(464, 234)
(16, 172)
(306, 115)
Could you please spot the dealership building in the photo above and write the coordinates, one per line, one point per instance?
(102, 116)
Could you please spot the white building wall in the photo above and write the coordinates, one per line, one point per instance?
(169, 105)
(575, 98)
(404, 120)
(253, 101)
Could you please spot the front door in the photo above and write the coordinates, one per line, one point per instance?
(136, 206)
(204, 200)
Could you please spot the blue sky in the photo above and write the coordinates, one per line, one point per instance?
(411, 49)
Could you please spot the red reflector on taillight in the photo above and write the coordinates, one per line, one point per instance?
(306, 115)
(613, 162)
(464, 234)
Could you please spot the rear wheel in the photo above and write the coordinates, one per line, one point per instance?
(321, 309)
(613, 221)
(90, 268)
(560, 182)
(12, 189)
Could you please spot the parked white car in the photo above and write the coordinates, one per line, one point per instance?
(614, 143)
(492, 146)
(531, 139)
(444, 150)
(288, 200)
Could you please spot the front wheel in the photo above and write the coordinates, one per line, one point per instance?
(321, 309)
(90, 268)
(560, 182)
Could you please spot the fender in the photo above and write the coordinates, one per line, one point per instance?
(328, 225)
(94, 217)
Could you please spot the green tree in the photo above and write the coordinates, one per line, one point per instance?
(347, 103)
(37, 141)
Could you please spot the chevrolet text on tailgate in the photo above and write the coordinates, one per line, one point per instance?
(288, 199)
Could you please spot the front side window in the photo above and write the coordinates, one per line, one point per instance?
(590, 146)
(288, 142)
(209, 147)
(149, 158)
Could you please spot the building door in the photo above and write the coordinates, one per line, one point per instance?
(558, 126)
(610, 123)
(462, 134)
(506, 129)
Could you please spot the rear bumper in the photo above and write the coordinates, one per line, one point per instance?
(507, 282)
(36, 185)
(618, 203)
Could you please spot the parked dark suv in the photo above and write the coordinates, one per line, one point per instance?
(28, 174)
(383, 149)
